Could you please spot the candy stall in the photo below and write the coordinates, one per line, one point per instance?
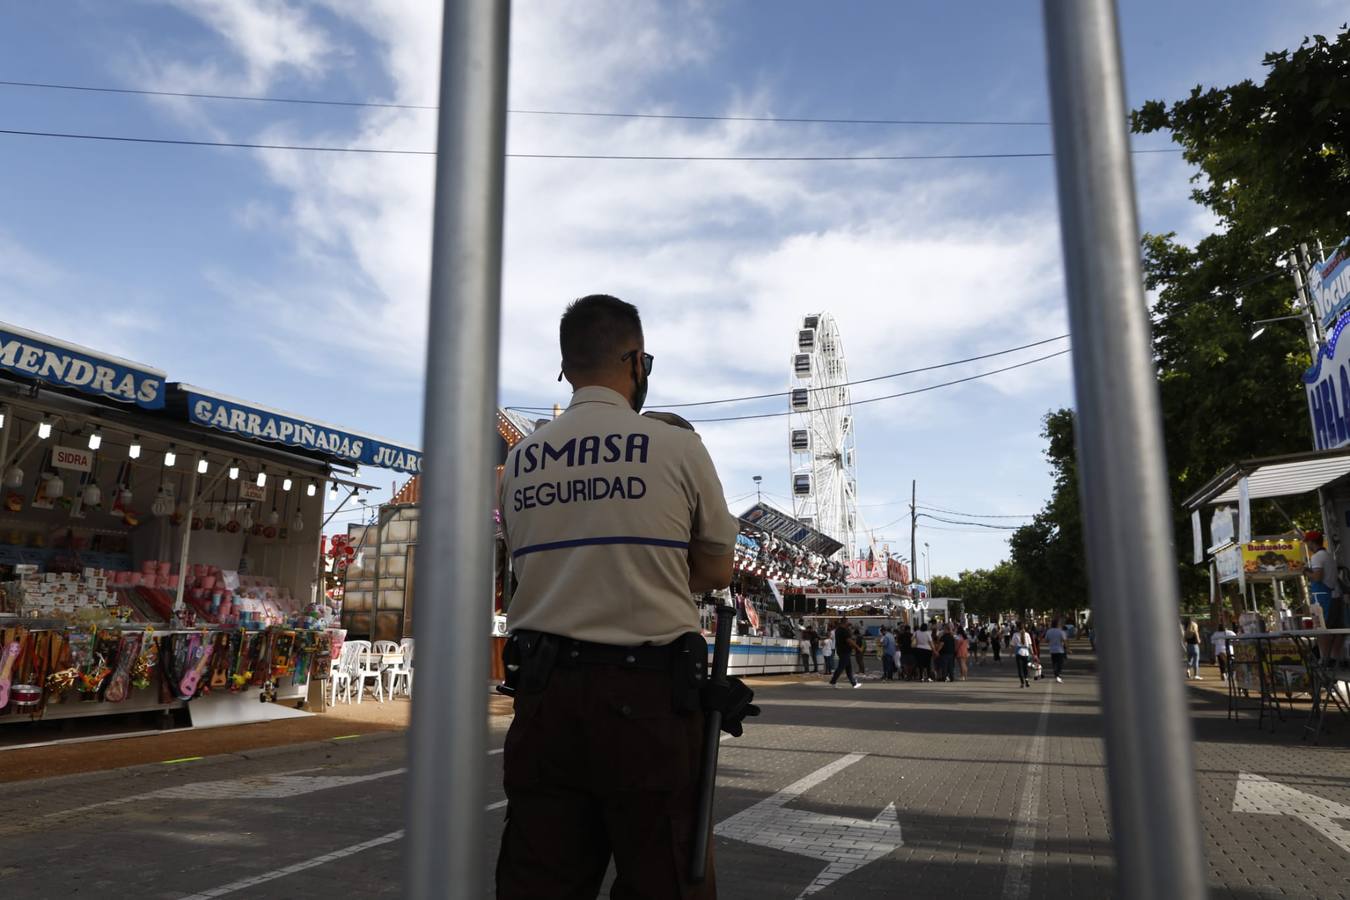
(159, 543)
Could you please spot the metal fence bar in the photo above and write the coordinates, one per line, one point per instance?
(1127, 519)
(445, 849)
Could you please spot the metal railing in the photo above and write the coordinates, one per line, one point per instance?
(1120, 453)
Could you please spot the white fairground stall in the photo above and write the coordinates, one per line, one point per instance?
(159, 543)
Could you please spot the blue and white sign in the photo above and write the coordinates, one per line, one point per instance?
(31, 355)
(1328, 387)
(212, 410)
(1329, 284)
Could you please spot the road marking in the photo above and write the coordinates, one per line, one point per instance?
(845, 844)
(253, 787)
(181, 759)
(1016, 884)
(1262, 796)
(245, 883)
(265, 877)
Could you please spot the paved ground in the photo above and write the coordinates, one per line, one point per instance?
(975, 789)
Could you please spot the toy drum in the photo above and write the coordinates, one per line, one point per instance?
(22, 696)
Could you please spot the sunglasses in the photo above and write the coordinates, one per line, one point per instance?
(647, 360)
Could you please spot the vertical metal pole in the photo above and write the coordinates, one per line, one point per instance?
(445, 853)
(1127, 519)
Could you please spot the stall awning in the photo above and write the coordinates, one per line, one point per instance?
(29, 355)
(780, 524)
(1276, 476)
(210, 409)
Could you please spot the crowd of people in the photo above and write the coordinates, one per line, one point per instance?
(940, 651)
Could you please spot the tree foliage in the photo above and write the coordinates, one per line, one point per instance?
(1273, 168)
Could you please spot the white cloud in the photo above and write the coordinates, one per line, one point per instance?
(723, 258)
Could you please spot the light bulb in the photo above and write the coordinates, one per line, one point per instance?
(44, 430)
(95, 440)
(234, 470)
(262, 479)
(202, 466)
(134, 451)
(14, 477)
(2, 420)
(310, 489)
(170, 457)
(285, 484)
(333, 491)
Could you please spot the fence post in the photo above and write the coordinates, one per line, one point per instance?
(1127, 518)
(445, 848)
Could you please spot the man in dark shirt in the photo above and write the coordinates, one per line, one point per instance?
(947, 655)
(844, 646)
(815, 647)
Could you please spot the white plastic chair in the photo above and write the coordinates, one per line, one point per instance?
(384, 651)
(402, 669)
(365, 667)
(340, 672)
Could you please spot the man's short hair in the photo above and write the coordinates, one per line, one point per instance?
(596, 331)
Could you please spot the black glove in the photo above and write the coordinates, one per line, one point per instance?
(732, 700)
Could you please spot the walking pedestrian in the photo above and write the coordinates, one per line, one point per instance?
(905, 644)
(814, 638)
(860, 648)
(1223, 654)
(608, 713)
(827, 647)
(1021, 648)
(845, 645)
(963, 653)
(1057, 640)
(995, 642)
(887, 655)
(947, 654)
(923, 653)
(1192, 640)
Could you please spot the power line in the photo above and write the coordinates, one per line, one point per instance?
(931, 387)
(952, 512)
(945, 365)
(787, 120)
(318, 148)
(973, 524)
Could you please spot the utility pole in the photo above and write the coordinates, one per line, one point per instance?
(913, 525)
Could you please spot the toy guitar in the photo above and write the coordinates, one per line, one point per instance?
(198, 657)
(128, 651)
(6, 671)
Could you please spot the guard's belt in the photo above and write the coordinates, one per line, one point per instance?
(585, 653)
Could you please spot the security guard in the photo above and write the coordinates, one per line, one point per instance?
(614, 520)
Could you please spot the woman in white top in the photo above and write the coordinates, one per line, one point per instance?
(1021, 647)
(923, 653)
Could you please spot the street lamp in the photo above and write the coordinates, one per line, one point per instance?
(1264, 322)
(757, 479)
(927, 563)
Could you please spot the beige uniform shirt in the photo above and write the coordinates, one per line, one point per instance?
(600, 507)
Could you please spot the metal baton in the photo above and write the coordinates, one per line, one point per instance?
(712, 741)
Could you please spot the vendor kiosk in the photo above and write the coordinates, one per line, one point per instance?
(159, 543)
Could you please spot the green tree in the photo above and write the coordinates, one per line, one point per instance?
(1272, 167)
(1047, 554)
(942, 586)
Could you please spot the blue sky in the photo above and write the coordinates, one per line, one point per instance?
(299, 280)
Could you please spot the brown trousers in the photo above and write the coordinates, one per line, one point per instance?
(598, 765)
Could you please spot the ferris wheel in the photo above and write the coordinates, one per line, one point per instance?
(822, 450)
